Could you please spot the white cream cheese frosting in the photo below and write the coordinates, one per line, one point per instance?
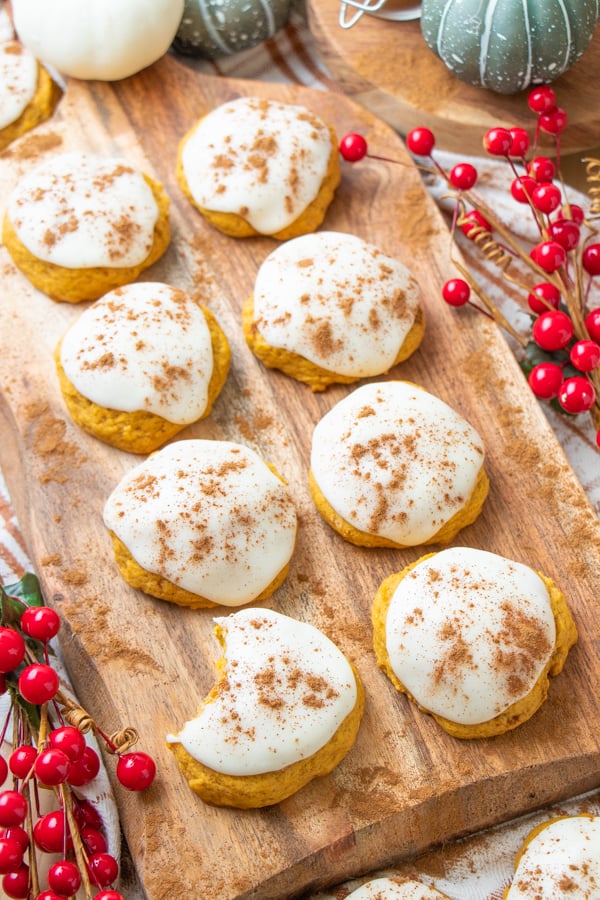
(394, 889)
(18, 81)
(395, 461)
(468, 633)
(337, 301)
(260, 159)
(145, 346)
(80, 210)
(209, 516)
(287, 690)
(562, 860)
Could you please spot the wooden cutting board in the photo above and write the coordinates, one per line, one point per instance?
(388, 67)
(406, 785)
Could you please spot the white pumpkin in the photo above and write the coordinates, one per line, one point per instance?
(104, 40)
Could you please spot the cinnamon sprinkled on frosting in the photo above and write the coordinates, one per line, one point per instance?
(18, 81)
(468, 633)
(82, 211)
(337, 301)
(395, 461)
(209, 516)
(257, 158)
(287, 689)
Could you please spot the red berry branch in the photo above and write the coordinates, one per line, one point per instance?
(554, 278)
(50, 753)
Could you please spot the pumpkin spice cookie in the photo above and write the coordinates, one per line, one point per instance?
(203, 523)
(28, 94)
(285, 710)
(394, 466)
(140, 364)
(395, 887)
(330, 308)
(472, 638)
(559, 858)
(79, 225)
(255, 166)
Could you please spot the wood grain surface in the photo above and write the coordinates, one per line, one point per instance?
(388, 67)
(406, 785)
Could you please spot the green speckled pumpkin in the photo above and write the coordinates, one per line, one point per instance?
(508, 45)
(213, 28)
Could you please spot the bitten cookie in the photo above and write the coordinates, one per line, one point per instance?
(255, 166)
(472, 638)
(202, 523)
(140, 364)
(286, 709)
(559, 858)
(329, 307)
(28, 94)
(79, 225)
(394, 466)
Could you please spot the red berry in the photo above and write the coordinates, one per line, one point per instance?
(52, 767)
(545, 380)
(109, 895)
(519, 142)
(574, 212)
(11, 855)
(592, 324)
(552, 330)
(103, 869)
(93, 839)
(64, 877)
(16, 884)
(543, 297)
(463, 176)
(13, 808)
(420, 141)
(522, 188)
(456, 292)
(541, 99)
(353, 147)
(12, 649)
(577, 395)
(38, 683)
(566, 233)
(598, 438)
(21, 760)
(549, 256)
(18, 834)
(49, 895)
(85, 770)
(68, 739)
(541, 168)
(554, 121)
(591, 259)
(497, 141)
(51, 833)
(87, 814)
(585, 355)
(546, 197)
(3, 770)
(40, 622)
(473, 223)
(136, 771)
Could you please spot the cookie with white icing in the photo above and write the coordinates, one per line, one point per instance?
(395, 888)
(28, 94)
(255, 166)
(394, 466)
(203, 523)
(286, 709)
(140, 364)
(79, 225)
(331, 308)
(472, 638)
(559, 858)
